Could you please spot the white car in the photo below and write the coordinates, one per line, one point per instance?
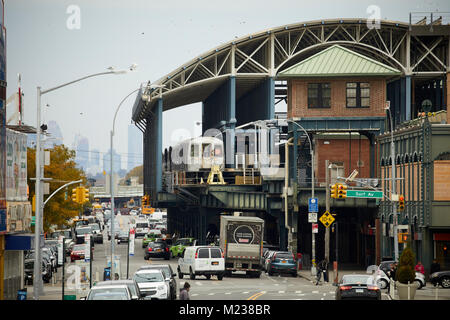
(111, 292)
(201, 260)
(152, 284)
(382, 279)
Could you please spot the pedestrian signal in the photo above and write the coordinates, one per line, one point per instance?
(403, 237)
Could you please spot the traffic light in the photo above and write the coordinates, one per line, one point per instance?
(334, 193)
(146, 200)
(403, 237)
(342, 191)
(33, 204)
(84, 195)
(75, 197)
(401, 203)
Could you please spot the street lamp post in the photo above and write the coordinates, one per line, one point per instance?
(37, 276)
(394, 186)
(313, 244)
(111, 179)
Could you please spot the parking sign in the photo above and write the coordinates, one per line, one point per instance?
(313, 205)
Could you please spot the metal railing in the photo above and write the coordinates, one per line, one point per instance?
(428, 19)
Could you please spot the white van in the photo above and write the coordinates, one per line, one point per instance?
(142, 228)
(201, 260)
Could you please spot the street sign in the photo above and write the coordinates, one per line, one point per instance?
(315, 228)
(312, 217)
(313, 205)
(327, 219)
(364, 194)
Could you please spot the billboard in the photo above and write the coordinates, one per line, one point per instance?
(16, 166)
(2, 120)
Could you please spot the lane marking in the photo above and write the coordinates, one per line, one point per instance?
(256, 295)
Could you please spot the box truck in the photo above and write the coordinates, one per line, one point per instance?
(241, 240)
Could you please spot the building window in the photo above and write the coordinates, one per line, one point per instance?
(358, 95)
(319, 95)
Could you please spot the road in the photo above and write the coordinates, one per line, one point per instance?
(236, 287)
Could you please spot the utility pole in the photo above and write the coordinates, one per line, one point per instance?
(327, 209)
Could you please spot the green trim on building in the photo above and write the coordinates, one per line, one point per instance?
(337, 61)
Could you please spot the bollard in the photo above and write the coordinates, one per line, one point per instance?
(409, 291)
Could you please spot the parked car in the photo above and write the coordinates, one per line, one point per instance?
(51, 255)
(109, 292)
(123, 236)
(69, 238)
(131, 284)
(157, 249)
(382, 279)
(152, 284)
(97, 234)
(441, 278)
(45, 259)
(201, 260)
(151, 237)
(282, 262)
(169, 277)
(29, 271)
(181, 244)
(358, 286)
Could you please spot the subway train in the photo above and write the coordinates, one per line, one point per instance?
(195, 155)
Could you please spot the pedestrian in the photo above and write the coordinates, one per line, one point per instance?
(184, 292)
(435, 267)
(420, 268)
(391, 274)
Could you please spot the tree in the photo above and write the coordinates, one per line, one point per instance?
(135, 172)
(62, 169)
(405, 272)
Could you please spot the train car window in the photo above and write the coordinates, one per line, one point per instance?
(194, 150)
(207, 150)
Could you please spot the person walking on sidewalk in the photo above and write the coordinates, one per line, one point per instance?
(184, 292)
(322, 267)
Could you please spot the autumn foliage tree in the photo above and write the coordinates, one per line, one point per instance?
(62, 169)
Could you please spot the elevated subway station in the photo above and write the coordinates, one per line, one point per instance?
(240, 82)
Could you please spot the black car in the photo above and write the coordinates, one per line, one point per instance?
(29, 271)
(168, 274)
(441, 278)
(357, 287)
(157, 249)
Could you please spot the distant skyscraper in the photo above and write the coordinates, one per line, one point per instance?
(82, 151)
(55, 133)
(135, 148)
(94, 162)
(107, 161)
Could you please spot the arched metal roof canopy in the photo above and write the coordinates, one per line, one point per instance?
(253, 58)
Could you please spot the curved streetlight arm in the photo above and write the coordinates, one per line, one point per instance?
(118, 107)
(67, 184)
(80, 79)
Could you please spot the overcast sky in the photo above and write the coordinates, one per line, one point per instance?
(159, 36)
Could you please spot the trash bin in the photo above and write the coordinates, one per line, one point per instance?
(106, 274)
(22, 294)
